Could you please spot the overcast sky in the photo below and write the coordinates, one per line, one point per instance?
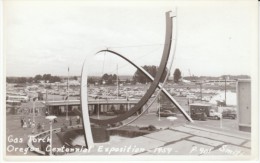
(214, 38)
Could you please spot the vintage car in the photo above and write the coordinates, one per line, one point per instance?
(229, 114)
(165, 113)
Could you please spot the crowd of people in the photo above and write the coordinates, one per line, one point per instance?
(40, 127)
(37, 127)
(31, 124)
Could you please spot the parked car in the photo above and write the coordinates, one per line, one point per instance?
(165, 113)
(229, 114)
(199, 116)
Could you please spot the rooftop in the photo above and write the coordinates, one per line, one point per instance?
(92, 102)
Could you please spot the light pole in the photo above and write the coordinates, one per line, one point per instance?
(200, 91)
(67, 118)
(221, 122)
(98, 108)
(200, 84)
(67, 110)
(51, 118)
(225, 91)
(189, 106)
(34, 101)
(67, 107)
(159, 100)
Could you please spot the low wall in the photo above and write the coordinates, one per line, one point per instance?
(44, 135)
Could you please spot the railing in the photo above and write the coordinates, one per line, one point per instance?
(44, 135)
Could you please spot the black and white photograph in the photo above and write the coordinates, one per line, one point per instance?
(137, 80)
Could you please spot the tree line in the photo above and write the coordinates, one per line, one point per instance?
(107, 79)
(152, 70)
(45, 77)
(138, 76)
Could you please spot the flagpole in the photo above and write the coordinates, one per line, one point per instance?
(67, 118)
(127, 98)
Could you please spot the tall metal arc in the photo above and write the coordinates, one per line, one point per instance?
(84, 108)
(155, 83)
(168, 95)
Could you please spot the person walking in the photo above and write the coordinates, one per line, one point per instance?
(39, 127)
(64, 127)
(33, 127)
(42, 127)
(24, 125)
(78, 120)
(22, 122)
(55, 120)
(29, 123)
(70, 121)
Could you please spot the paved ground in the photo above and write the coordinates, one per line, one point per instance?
(163, 122)
(181, 140)
(14, 130)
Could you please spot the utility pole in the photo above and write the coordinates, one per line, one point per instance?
(200, 91)
(98, 108)
(225, 90)
(200, 84)
(67, 110)
(117, 81)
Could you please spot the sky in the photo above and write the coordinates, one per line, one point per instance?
(213, 37)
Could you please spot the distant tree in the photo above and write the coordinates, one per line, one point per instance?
(152, 70)
(21, 80)
(105, 77)
(100, 81)
(54, 79)
(75, 78)
(37, 78)
(46, 77)
(176, 75)
(114, 77)
(109, 80)
(10, 80)
(91, 80)
(30, 80)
